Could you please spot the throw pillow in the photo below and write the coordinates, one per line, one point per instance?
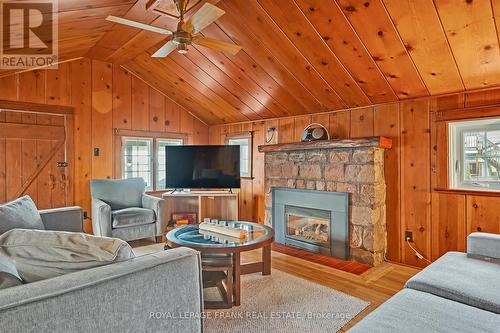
(9, 277)
(20, 213)
(43, 254)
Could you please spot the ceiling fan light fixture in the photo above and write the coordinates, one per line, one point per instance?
(182, 48)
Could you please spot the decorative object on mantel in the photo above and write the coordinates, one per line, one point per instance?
(375, 142)
(315, 132)
(224, 230)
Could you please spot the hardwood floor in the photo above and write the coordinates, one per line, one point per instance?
(374, 286)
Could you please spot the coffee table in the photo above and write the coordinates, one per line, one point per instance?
(259, 236)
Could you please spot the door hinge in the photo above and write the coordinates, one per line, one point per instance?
(62, 164)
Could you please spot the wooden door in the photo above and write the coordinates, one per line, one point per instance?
(33, 159)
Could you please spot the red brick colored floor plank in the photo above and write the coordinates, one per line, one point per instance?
(346, 266)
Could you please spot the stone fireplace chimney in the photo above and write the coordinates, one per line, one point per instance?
(353, 166)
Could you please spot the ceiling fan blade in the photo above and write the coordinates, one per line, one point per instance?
(138, 25)
(217, 44)
(165, 50)
(202, 18)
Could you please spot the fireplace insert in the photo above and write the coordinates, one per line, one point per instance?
(308, 225)
(312, 220)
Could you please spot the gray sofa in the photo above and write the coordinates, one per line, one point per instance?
(160, 292)
(151, 293)
(459, 292)
(64, 219)
(121, 209)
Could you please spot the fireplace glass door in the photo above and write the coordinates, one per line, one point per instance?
(307, 225)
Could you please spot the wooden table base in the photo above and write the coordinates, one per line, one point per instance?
(263, 266)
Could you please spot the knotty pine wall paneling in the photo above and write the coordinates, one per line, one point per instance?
(104, 97)
(387, 123)
(122, 98)
(140, 105)
(156, 111)
(81, 82)
(361, 123)
(102, 120)
(300, 124)
(448, 223)
(415, 177)
(340, 125)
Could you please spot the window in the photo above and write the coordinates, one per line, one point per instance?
(475, 154)
(244, 140)
(145, 158)
(161, 171)
(138, 160)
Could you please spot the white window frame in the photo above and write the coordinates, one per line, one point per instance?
(154, 156)
(150, 185)
(243, 136)
(157, 142)
(456, 162)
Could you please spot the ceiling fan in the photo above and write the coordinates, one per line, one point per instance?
(187, 31)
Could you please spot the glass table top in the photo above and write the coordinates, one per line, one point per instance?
(190, 235)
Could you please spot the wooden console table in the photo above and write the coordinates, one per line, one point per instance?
(221, 205)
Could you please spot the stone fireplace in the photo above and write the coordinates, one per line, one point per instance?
(316, 175)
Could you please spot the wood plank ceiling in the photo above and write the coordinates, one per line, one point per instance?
(299, 56)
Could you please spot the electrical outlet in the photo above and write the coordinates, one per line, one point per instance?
(409, 235)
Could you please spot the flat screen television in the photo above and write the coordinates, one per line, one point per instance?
(202, 167)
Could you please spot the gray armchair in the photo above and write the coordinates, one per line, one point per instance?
(121, 209)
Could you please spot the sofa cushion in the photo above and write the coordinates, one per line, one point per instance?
(20, 213)
(484, 246)
(119, 193)
(460, 278)
(132, 216)
(43, 254)
(9, 276)
(412, 311)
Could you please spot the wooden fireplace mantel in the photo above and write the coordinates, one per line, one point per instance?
(370, 142)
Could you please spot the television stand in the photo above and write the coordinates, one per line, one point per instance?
(182, 190)
(221, 205)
